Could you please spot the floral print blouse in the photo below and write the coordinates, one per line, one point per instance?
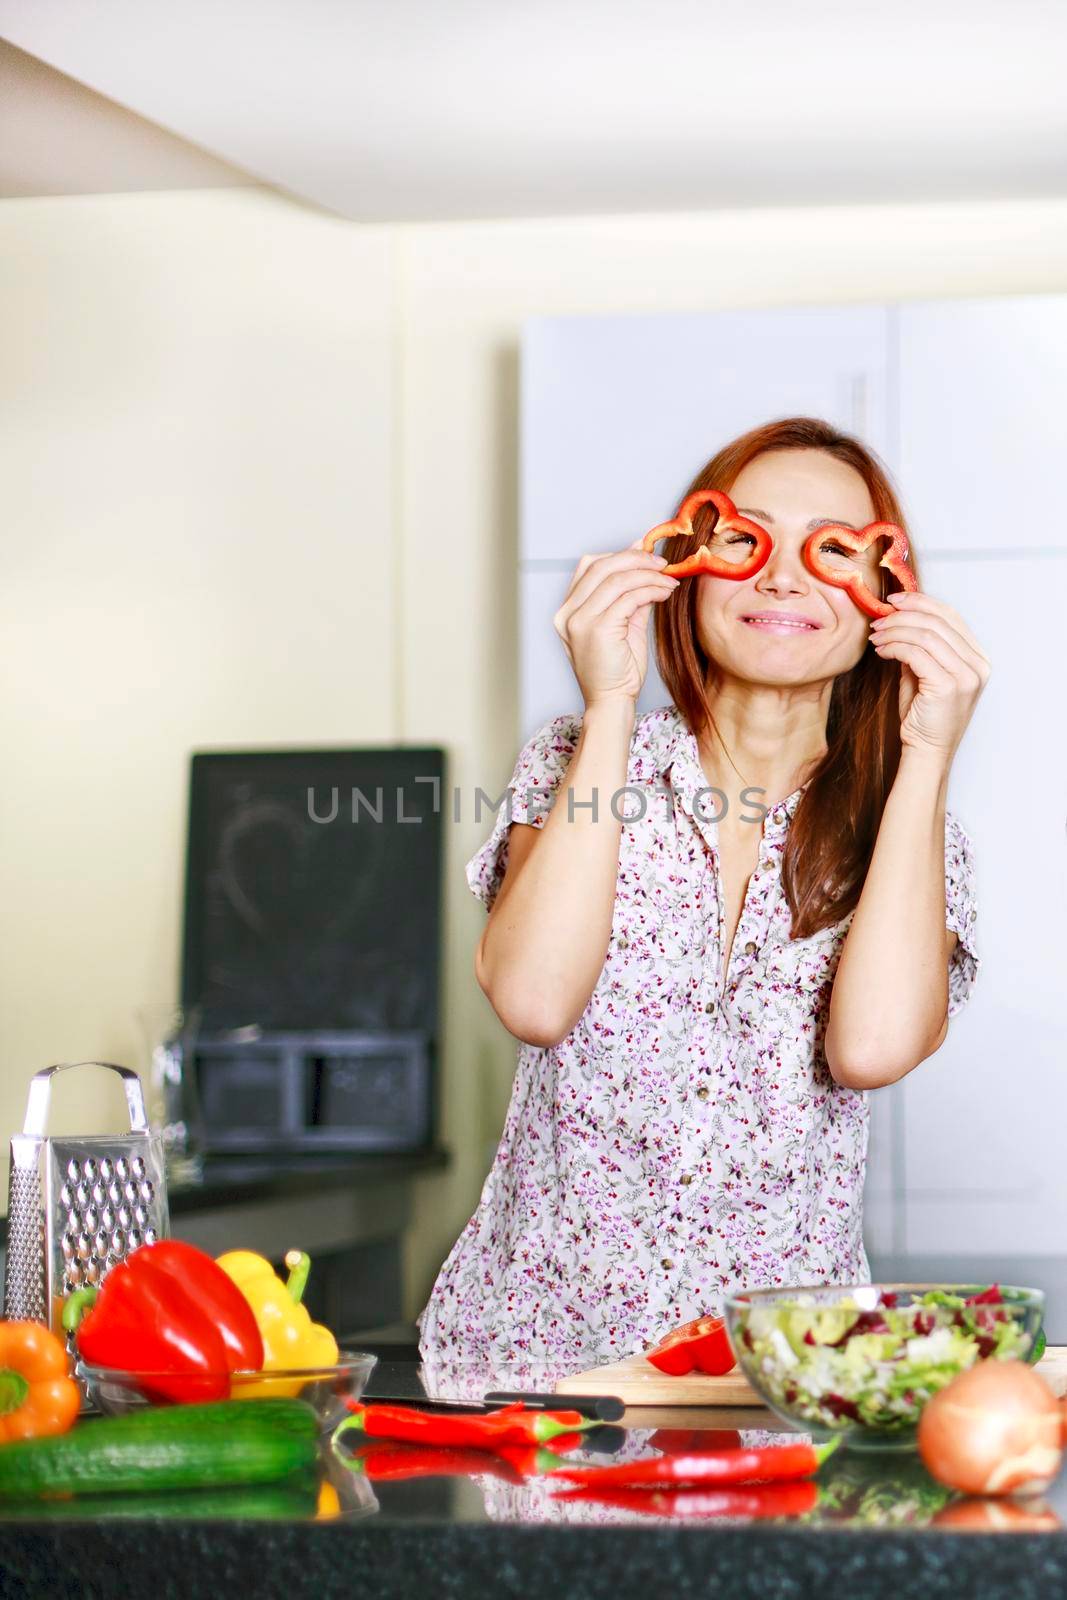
(686, 1138)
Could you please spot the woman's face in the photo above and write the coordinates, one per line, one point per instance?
(790, 492)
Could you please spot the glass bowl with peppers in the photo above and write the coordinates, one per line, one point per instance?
(169, 1325)
(327, 1389)
(861, 1360)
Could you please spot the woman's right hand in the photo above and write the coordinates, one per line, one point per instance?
(603, 621)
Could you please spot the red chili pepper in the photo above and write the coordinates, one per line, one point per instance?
(702, 1344)
(514, 1424)
(761, 1500)
(703, 559)
(164, 1311)
(794, 1460)
(895, 560)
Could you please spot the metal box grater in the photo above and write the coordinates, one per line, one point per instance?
(76, 1206)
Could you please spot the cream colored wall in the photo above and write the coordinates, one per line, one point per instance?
(260, 487)
(197, 435)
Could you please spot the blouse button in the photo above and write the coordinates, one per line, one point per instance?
(703, 1092)
(686, 1178)
(666, 1265)
(750, 948)
(710, 1008)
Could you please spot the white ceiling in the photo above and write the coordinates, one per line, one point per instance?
(431, 109)
(57, 137)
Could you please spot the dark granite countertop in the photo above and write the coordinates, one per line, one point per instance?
(879, 1528)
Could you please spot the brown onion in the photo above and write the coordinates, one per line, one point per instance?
(995, 1429)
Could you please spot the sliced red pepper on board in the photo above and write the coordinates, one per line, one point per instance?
(895, 560)
(761, 1500)
(701, 1345)
(771, 1463)
(703, 560)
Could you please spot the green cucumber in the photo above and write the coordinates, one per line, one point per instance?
(166, 1447)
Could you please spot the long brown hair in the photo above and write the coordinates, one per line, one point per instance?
(832, 834)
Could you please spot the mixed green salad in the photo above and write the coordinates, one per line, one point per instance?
(842, 1365)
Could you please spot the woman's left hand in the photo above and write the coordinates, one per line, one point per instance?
(943, 670)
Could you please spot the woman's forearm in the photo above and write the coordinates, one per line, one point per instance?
(545, 943)
(890, 994)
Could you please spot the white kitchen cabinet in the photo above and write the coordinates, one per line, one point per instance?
(982, 421)
(983, 1117)
(619, 413)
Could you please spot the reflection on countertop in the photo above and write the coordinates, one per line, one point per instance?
(379, 1524)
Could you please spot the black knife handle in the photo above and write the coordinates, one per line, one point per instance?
(598, 1407)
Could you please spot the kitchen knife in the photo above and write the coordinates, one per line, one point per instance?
(597, 1407)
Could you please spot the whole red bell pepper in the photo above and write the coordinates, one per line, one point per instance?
(895, 560)
(704, 560)
(701, 1345)
(163, 1311)
(216, 1293)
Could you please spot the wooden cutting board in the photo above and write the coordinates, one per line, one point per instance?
(637, 1382)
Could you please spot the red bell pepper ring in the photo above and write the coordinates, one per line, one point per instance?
(701, 1345)
(146, 1318)
(895, 560)
(755, 1503)
(704, 560)
(772, 1463)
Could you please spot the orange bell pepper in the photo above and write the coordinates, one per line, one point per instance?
(37, 1394)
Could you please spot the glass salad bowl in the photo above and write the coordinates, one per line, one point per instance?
(861, 1360)
(327, 1389)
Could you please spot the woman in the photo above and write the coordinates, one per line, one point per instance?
(706, 990)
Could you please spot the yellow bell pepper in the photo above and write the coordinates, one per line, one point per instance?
(290, 1338)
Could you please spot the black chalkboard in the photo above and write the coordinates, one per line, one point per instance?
(313, 888)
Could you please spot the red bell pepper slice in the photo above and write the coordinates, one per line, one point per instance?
(704, 560)
(701, 1345)
(159, 1312)
(895, 560)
